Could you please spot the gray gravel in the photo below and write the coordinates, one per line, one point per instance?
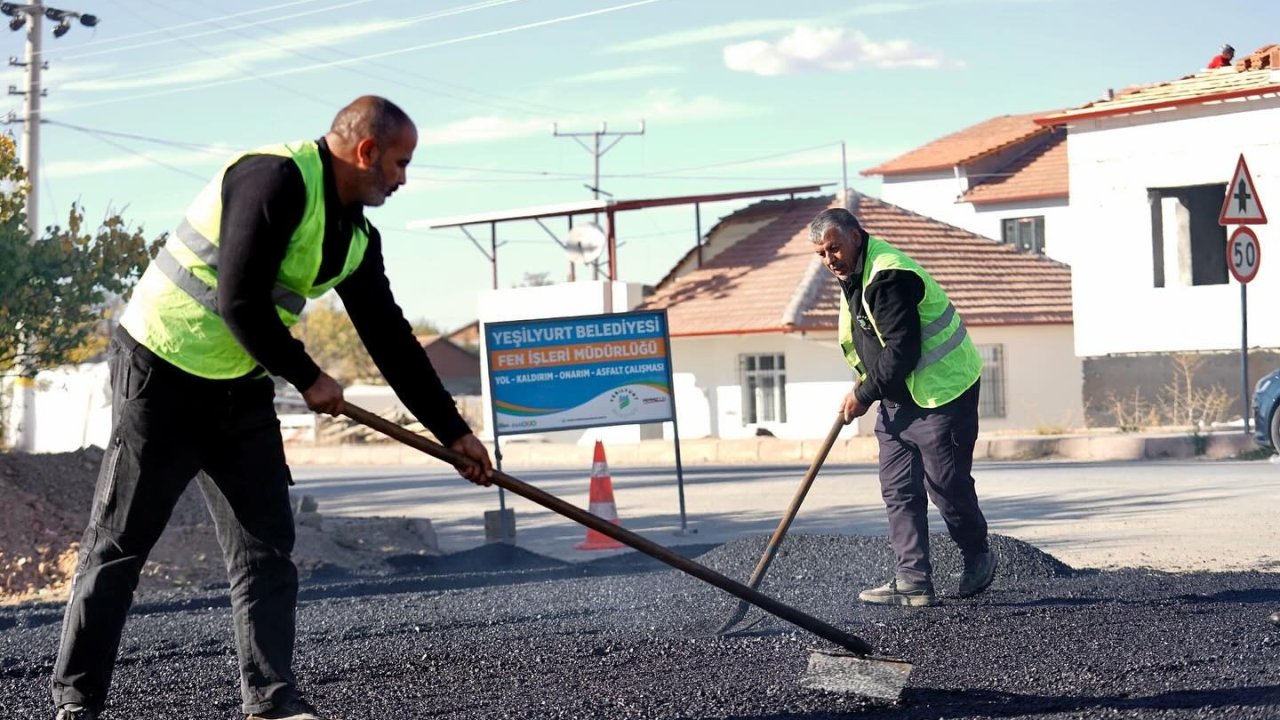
(501, 632)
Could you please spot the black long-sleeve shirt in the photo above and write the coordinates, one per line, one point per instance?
(894, 297)
(263, 198)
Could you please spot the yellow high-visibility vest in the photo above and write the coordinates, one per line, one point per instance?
(949, 363)
(174, 308)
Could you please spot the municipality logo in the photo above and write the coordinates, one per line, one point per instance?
(624, 402)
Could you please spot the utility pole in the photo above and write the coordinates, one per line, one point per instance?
(32, 15)
(30, 157)
(596, 153)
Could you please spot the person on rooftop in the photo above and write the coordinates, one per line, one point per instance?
(1223, 59)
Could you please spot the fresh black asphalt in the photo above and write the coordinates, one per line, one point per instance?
(497, 632)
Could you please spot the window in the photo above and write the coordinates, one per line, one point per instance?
(991, 396)
(764, 388)
(1026, 234)
(1186, 240)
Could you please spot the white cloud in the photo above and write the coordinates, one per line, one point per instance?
(657, 106)
(633, 72)
(484, 128)
(699, 36)
(122, 163)
(827, 48)
(748, 28)
(231, 60)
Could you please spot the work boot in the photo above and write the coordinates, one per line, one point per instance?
(900, 592)
(293, 708)
(978, 573)
(76, 711)
(1275, 618)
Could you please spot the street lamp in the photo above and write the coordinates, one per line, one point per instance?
(18, 13)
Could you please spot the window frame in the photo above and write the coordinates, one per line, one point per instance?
(750, 374)
(1201, 243)
(991, 399)
(1013, 231)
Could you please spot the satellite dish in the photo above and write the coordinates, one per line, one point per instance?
(585, 243)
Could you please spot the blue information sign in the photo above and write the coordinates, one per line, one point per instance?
(579, 372)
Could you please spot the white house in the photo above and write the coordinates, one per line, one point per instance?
(1149, 169)
(1003, 178)
(753, 326)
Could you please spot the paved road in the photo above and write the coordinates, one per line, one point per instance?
(1177, 516)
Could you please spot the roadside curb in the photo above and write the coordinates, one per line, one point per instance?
(767, 450)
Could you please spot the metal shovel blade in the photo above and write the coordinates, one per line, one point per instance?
(866, 675)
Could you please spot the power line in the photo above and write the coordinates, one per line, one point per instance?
(220, 29)
(245, 70)
(144, 33)
(658, 174)
(123, 148)
(736, 162)
(491, 99)
(370, 56)
(141, 138)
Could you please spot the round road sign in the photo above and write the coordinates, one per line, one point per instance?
(1244, 254)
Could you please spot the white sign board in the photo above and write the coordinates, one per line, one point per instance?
(1244, 254)
(579, 372)
(1242, 206)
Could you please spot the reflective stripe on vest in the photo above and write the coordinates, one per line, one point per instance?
(943, 371)
(174, 309)
(207, 253)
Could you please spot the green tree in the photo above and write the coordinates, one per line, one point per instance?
(54, 291)
(333, 343)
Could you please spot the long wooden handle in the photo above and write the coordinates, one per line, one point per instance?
(551, 502)
(775, 540)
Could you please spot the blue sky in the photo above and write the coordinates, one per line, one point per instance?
(735, 95)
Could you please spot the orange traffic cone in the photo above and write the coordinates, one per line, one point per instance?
(601, 504)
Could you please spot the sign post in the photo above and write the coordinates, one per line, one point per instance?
(1243, 207)
(584, 371)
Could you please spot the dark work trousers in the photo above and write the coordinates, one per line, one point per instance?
(167, 427)
(928, 454)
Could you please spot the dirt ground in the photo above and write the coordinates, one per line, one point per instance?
(46, 501)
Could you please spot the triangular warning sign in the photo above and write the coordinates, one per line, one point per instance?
(1242, 206)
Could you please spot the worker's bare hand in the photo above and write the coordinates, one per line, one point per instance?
(324, 396)
(480, 473)
(852, 408)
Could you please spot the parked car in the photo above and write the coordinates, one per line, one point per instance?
(1266, 400)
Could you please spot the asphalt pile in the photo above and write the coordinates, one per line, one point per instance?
(498, 632)
(47, 499)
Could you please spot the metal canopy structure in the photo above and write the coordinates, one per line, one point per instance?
(608, 207)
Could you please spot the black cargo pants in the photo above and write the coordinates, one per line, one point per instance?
(928, 454)
(167, 427)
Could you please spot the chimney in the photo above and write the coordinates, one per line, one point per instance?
(1111, 94)
(852, 199)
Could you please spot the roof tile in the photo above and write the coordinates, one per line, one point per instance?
(1243, 80)
(756, 285)
(964, 146)
(1040, 174)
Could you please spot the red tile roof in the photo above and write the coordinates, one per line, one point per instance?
(1250, 77)
(1039, 175)
(964, 146)
(771, 281)
(747, 287)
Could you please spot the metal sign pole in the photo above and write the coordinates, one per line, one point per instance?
(508, 534)
(1244, 355)
(675, 430)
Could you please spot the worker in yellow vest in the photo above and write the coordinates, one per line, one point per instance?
(910, 351)
(206, 327)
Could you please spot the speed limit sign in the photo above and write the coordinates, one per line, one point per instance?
(1243, 254)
